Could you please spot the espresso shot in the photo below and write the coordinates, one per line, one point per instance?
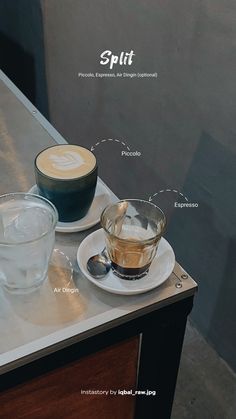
(67, 176)
(130, 273)
(133, 229)
(129, 256)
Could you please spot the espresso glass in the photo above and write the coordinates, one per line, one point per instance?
(27, 235)
(133, 229)
(70, 191)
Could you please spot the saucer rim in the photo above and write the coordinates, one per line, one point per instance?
(116, 291)
(73, 226)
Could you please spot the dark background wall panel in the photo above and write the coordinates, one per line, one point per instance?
(22, 48)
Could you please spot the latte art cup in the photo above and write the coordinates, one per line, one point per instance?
(67, 176)
(133, 229)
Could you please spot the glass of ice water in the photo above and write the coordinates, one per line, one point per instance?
(27, 236)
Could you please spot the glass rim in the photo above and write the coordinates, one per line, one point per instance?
(145, 241)
(40, 198)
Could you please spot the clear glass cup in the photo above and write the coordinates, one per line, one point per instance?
(133, 229)
(27, 236)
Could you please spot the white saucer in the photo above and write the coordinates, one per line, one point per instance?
(160, 270)
(101, 200)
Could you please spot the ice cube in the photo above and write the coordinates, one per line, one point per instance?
(29, 224)
(7, 217)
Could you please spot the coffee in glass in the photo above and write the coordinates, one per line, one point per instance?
(133, 229)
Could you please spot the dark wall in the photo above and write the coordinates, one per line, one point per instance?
(22, 48)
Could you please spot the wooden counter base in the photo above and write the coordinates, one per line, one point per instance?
(57, 394)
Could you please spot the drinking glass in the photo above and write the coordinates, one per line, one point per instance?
(133, 229)
(27, 235)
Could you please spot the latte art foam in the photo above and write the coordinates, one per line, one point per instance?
(66, 161)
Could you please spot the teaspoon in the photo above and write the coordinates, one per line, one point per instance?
(99, 265)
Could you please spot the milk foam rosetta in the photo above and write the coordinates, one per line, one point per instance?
(66, 161)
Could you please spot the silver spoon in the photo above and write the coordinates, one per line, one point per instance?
(99, 265)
